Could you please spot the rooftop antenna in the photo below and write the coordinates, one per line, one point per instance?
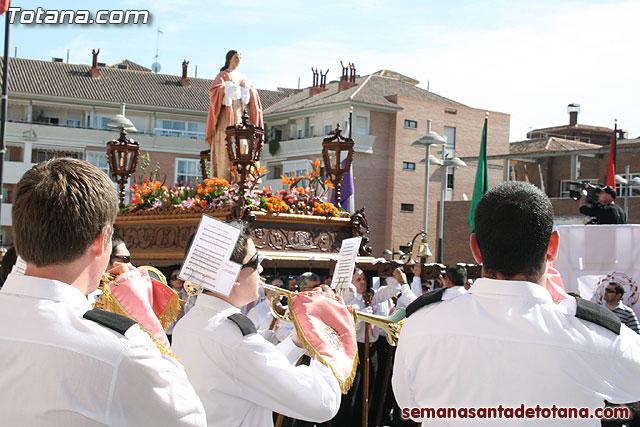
(155, 67)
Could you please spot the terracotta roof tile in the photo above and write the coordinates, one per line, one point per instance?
(551, 144)
(375, 89)
(128, 86)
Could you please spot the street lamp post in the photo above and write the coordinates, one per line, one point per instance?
(122, 153)
(446, 163)
(431, 138)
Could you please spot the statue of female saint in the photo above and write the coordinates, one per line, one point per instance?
(229, 95)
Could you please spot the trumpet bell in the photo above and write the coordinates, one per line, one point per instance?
(391, 324)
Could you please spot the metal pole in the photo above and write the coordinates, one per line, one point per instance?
(628, 192)
(443, 190)
(426, 184)
(3, 109)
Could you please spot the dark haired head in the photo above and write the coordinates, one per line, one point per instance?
(116, 240)
(228, 57)
(457, 274)
(8, 261)
(514, 222)
(306, 279)
(618, 287)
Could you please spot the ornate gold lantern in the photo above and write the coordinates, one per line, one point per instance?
(335, 149)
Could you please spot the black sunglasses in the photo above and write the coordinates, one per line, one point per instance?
(610, 291)
(254, 262)
(174, 277)
(124, 258)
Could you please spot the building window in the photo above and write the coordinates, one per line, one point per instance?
(362, 125)
(451, 111)
(180, 129)
(449, 194)
(406, 207)
(99, 160)
(404, 249)
(14, 153)
(276, 171)
(411, 124)
(188, 172)
(299, 133)
(408, 166)
(73, 123)
(450, 145)
(39, 155)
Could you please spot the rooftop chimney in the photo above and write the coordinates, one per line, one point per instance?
(184, 81)
(573, 110)
(95, 71)
(348, 78)
(319, 82)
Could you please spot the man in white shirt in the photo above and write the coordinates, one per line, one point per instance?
(505, 343)
(66, 363)
(456, 279)
(240, 377)
(351, 406)
(268, 326)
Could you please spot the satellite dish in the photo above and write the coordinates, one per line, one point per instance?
(155, 67)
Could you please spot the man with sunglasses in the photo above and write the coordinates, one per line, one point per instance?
(613, 294)
(119, 251)
(240, 377)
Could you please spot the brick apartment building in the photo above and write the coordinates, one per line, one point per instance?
(390, 111)
(61, 110)
(554, 157)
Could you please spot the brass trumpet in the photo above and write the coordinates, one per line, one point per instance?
(391, 324)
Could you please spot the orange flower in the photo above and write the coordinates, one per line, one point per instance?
(203, 202)
(285, 180)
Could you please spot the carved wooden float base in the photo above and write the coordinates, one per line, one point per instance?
(287, 240)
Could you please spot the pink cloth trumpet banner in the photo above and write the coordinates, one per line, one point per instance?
(326, 327)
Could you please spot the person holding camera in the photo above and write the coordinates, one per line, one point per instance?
(605, 211)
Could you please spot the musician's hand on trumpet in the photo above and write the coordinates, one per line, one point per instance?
(120, 268)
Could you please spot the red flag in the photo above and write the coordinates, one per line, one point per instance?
(526, 175)
(611, 167)
(4, 6)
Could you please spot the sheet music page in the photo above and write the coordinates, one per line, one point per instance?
(20, 267)
(207, 263)
(346, 263)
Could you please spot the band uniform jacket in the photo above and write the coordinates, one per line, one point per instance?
(62, 369)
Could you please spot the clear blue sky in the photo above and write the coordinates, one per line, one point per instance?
(528, 59)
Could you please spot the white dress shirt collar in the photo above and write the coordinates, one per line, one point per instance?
(210, 302)
(484, 286)
(38, 287)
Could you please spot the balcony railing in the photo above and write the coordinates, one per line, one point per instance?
(179, 133)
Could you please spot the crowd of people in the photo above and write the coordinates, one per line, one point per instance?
(227, 360)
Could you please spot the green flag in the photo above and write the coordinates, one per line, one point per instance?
(482, 178)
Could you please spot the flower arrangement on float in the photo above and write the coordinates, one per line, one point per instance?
(150, 196)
